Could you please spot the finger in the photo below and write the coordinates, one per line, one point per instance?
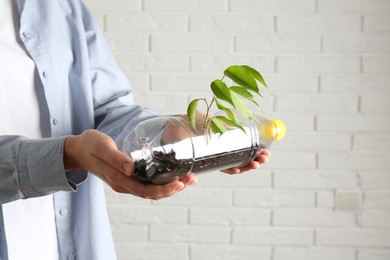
(234, 170)
(262, 157)
(189, 180)
(108, 152)
(124, 184)
(106, 172)
(157, 192)
(152, 191)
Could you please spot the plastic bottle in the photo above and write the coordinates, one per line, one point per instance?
(165, 148)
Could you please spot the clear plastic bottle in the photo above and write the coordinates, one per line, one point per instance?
(165, 148)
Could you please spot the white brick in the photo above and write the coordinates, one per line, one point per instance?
(181, 6)
(353, 5)
(375, 5)
(376, 23)
(318, 63)
(114, 6)
(353, 122)
(138, 81)
(232, 23)
(353, 237)
(280, 83)
(193, 82)
(373, 254)
(287, 160)
(377, 199)
(314, 253)
(348, 201)
(194, 196)
(279, 6)
(371, 180)
(375, 103)
(318, 23)
(253, 6)
(356, 43)
(148, 215)
(278, 43)
(230, 216)
(374, 218)
(145, 23)
(312, 218)
(192, 234)
(229, 252)
(97, 14)
(354, 161)
(151, 251)
(218, 63)
(296, 123)
(117, 199)
(338, 6)
(129, 43)
(274, 236)
(325, 199)
(259, 178)
(274, 198)
(380, 141)
(316, 179)
(152, 63)
(129, 233)
(316, 102)
(192, 43)
(163, 101)
(376, 63)
(316, 141)
(356, 83)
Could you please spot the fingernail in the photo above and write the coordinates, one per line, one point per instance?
(127, 168)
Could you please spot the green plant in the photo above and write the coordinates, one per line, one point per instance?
(229, 99)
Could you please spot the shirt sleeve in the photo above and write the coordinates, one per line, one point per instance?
(114, 109)
(32, 168)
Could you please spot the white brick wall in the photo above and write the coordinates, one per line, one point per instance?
(325, 194)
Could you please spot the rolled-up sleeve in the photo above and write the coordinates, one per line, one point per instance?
(32, 168)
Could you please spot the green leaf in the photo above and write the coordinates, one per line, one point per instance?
(242, 108)
(217, 126)
(221, 91)
(242, 77)
(256, 74)
(228, 112)
(244, 93)
(191, 112)
(231, 123)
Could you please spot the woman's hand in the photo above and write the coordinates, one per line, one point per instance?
(97, 153)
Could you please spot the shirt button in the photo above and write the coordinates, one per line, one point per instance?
(63, 212)
(27, 35)
(55, 121)
(71, 257)
(45, 74)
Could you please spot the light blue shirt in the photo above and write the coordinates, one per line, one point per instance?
(83, 89)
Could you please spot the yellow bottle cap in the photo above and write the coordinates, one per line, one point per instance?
(274, 130)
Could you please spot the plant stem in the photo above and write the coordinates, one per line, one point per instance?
(206, 119)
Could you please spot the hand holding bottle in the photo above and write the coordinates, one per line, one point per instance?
(98, 154)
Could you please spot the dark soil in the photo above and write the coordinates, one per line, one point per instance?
(164, 168)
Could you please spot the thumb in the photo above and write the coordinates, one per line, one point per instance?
(120, 161)
(108, 152)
